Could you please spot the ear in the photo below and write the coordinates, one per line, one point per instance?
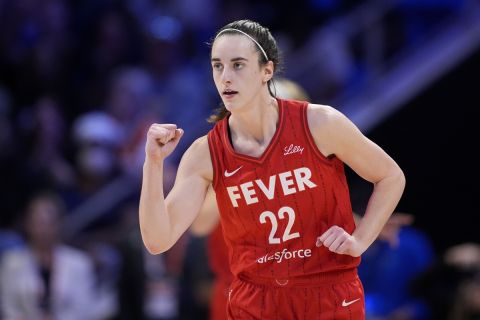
(268, 70)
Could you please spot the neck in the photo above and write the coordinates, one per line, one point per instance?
(43, 247)
(44, 255)
(258, 122)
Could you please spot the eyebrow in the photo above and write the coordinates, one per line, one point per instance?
(232, 60)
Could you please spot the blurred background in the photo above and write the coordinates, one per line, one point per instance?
(81, 81)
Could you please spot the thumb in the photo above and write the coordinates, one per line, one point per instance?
(319, 242)
(178, 134)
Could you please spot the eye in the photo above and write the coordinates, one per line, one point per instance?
(217, 66)
(238, 65)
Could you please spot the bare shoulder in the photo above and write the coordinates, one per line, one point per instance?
(322, 116)
(197, 160)
(326, 125)
(200, 145)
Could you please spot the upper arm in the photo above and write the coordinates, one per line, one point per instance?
(335, 134)
(187, 196)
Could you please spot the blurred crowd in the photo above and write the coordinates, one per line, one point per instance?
(81, 81)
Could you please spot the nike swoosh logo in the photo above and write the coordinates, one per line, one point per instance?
(229, 174)
(346, 304)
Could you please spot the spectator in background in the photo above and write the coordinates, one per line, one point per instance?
(45, 128)
(45, 165)
(452, 286)
(147, 284)
(466, 258)
(389, 268)
(47, 279)
(132, 103)
(97, 137)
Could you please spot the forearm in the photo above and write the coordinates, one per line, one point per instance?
(155, 225)
(383, 201)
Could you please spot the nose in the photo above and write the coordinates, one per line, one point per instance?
(226, 75)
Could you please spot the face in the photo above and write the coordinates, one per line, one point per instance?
(236, 71)
(43, 225)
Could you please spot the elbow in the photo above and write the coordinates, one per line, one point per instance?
(395, 178)
(155, 248)
(155, 245)
(400, 177)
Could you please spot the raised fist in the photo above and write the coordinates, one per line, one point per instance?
(162, 140)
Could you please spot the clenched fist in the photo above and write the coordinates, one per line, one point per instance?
(337, 240)
(162, 140)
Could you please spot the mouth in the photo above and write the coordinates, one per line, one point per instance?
(228, 93)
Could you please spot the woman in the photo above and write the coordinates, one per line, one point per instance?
(47, 279)
(276, 167)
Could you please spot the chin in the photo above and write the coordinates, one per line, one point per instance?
(232, 105)
(229, 105)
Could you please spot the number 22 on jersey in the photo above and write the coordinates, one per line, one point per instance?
(287, 235)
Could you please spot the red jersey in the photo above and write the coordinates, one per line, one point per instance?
(275, 206)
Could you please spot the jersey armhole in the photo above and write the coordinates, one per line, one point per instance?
(213, 153)
(311, 140)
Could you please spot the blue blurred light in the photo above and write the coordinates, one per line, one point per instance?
(165, 28)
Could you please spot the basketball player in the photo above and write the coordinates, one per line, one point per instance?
(217, 251)
(276, 167)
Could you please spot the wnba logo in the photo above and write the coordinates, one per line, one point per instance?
(279, 256)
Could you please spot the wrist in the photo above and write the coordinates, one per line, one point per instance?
(153, 162)
(362, 242)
